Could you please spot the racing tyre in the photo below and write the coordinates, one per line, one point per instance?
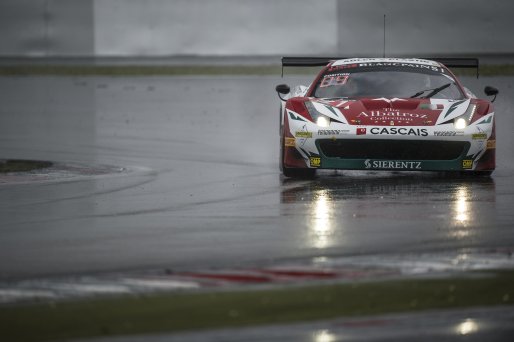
(482, 173)
(476, 174)
(298, 173)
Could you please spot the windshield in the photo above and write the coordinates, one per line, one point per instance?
(388, 82)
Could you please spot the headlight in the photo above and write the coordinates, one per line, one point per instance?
(323, 121)
(461, 122)
(320, 119)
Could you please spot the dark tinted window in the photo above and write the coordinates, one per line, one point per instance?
(388, 82)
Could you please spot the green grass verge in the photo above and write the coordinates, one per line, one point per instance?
(197, 311)
(22, 165)
(139, 70)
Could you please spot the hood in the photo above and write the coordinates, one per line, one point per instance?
(397, 112)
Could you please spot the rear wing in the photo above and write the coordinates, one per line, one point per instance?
(306, 61)
(450, 62)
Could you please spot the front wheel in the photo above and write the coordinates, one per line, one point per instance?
(476, 173)
(298, 173)
(482, 173)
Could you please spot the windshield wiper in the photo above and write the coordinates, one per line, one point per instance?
(433, 91)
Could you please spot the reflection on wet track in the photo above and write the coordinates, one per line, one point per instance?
(322, 216)
(340, 203)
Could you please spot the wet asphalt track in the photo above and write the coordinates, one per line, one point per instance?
(476, 324)
(195, 182)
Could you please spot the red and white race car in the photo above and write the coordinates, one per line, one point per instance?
(385, 114)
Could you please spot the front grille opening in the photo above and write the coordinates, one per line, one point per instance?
(393, 149)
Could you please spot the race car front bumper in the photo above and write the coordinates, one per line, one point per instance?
(393, 154)
(353, 152)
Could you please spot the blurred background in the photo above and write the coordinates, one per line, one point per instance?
(163, 28)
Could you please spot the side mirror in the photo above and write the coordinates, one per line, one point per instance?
(282, 89)
(491, 91)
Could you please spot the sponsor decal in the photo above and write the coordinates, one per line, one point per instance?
(334, 80)
(361, 131)
(467, 164)
(332, 131)
(403, 65)
(290, 142)
(491, 144)
(399, 131)
(303, 134)
(315, 161)
(392, 165)
(342, 67)
(479, 136)
(391, 114)
(446, 133)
